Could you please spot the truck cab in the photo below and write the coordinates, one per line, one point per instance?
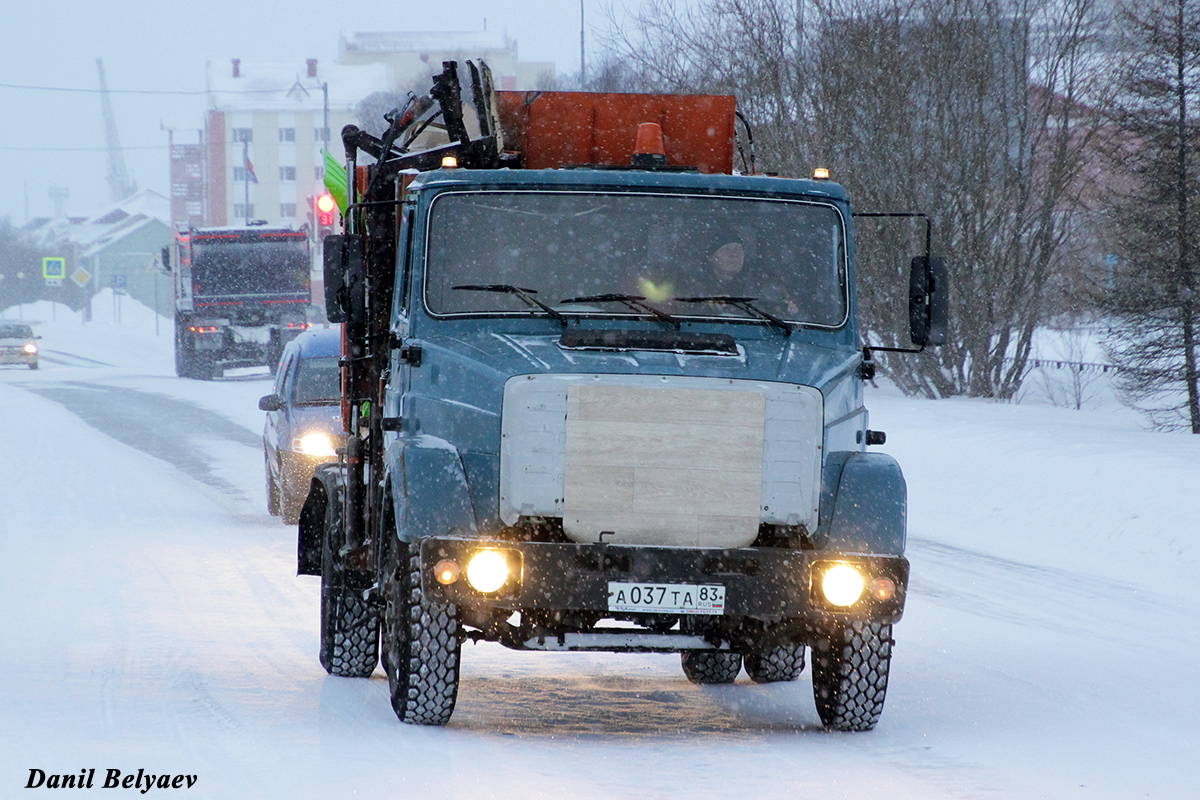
(618, 409)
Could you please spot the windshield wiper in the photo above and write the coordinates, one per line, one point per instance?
(634, 301)
(746, 304)
(524, 294)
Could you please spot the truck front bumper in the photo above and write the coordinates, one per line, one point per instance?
(762, 583)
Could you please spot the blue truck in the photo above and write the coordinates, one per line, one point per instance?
(602, 392)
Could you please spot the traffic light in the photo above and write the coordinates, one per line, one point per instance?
(324, 208)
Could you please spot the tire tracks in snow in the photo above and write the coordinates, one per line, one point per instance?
(164, 427)
(1052, 598)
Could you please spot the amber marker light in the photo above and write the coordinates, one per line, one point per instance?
(820, 174)
(842, 585)
(883, 588)
(449, 162)
(447, 571)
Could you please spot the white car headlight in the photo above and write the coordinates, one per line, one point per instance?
(314, 444)
(31, 348)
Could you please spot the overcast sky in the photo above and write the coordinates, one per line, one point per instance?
(56, 139)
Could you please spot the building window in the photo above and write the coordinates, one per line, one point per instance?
(287, 134)
(239, 175)
(287, 210)
(319, 173)
(243, 211)
(321, 134)
(287, 173)
(194, 209)
(243, 134)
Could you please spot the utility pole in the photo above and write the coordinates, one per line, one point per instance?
(246, 178)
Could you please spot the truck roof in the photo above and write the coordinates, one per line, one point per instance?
(631, 178)
(246, 231)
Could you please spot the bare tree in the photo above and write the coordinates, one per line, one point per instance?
(979, 112)
(1153, 294)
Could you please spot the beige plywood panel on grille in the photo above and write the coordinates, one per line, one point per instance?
(663, 466)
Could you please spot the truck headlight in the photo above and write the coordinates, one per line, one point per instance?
(31, 348)
(315, 444)
(842, 584)
(487, 571)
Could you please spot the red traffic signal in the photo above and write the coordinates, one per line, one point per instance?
(325, 207)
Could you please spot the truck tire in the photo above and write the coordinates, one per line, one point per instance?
(779, 664)
(711, 666)
(421, 645)
(349, 624)
(850, 675)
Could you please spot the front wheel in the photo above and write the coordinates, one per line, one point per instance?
(421, 646)
(272, 489)
(711, 666)
(850, 675)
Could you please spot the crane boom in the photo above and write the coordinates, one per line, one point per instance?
(120, 184)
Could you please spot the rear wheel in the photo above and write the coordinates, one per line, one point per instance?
(782, 663)
(349, 625)
(33, 365)
(711, 666)
(850, 675)
(421, 645)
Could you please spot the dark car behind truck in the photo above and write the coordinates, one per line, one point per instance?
(601, 397)
(241, 294)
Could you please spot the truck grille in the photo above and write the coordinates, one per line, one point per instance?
(673, 461)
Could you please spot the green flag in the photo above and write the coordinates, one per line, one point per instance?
(335, 181)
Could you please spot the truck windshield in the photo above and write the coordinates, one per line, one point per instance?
(318, 381)
(249, 267)
(673, 250)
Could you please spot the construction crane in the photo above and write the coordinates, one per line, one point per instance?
(120, 184)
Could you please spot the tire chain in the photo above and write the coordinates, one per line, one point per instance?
(850, 675)
(711, 666)
(779, 664)
(431, 681)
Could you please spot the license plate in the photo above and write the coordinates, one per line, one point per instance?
(666, 598)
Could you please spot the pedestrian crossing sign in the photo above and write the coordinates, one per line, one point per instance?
(54, 269)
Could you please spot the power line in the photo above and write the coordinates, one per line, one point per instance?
(78, 149)
(140, 91)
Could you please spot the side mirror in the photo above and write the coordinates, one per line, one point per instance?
(928, 301)
(166, 259)
(270, 402)
(345, 277)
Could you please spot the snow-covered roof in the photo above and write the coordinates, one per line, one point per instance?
(146, 203)
(286, 85)
(116, 233)
(105, 227)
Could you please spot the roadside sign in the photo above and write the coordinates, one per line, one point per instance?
(53, 268)
(81, 276)
(118, 281)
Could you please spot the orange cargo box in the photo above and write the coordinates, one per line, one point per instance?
(563, 129)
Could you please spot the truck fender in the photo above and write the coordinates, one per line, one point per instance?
(864, 505)
(322, 509)
(429, 489)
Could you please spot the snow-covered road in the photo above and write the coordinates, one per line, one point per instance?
(150, 618)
